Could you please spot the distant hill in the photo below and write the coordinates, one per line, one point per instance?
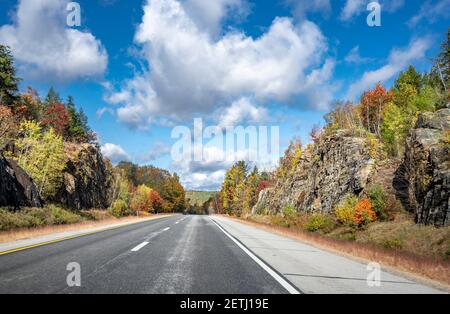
(198, 198)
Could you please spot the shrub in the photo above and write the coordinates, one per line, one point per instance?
(364, 212)
(61, 216)
(95, 215)
(119, 209)
(393, 244)
(345, 211)
(36, 217)
(378, 199)
(289, 211)
(320, 222)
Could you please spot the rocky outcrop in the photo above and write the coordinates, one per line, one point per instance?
(424, 176)
(17, 189)
(87, 179)
(339, 165)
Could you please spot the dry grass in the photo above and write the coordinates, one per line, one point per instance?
(26, 233)
(412, 264)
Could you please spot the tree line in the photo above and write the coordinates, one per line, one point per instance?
(34, 132)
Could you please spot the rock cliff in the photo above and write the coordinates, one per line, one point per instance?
(425, 171)
(340, 164)
(17, 189)
(87, 179)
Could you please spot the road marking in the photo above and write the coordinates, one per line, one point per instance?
(75, 236)
(283, 282)
(166, 229)
(140, 246)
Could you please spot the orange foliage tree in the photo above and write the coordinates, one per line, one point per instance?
(364, 212)
(156, 201)
(372, 104)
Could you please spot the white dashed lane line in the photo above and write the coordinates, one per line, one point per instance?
(140, 246)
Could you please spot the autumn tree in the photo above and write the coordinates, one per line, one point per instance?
(56, 117)
(30, 105)
(42, 156)
(174, 194)
(232, 186)
(8, 129)
(8, 80)
(372, 105)
(156, 201)
(140, 200)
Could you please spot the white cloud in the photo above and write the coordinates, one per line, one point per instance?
(209, 15)
(192, 73)
(157, 151)
(242, 110)
(431, 11)
(398, 60)
(355, 57)
(353, 8)
(46, 49)
(114, 152)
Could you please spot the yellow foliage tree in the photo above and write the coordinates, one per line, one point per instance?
(42, 156)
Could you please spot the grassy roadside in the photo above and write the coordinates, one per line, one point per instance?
(33, 222)
(423, 252)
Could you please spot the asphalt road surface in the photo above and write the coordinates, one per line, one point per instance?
(189, 255)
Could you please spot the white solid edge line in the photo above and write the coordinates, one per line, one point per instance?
(278, 278)
(140, 246)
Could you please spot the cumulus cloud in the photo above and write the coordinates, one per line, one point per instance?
(353, 8)
(193, 73)
(114, 152)
(431, 12)
(398, 60)
(209, 15)
(46, 49)
(242, 110)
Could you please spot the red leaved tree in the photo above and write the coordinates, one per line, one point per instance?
(56, 117)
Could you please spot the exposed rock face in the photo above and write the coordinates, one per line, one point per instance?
(17, 189)
(87, 179)
(425, 172)
(341, 164)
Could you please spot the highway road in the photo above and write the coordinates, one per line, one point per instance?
(189, 255)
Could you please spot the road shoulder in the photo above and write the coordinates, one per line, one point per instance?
(314, 270)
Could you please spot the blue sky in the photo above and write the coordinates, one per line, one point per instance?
(139, 68)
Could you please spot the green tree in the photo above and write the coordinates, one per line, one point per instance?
(8, 80)
(52, 97)
(42, 156)
(409, 77)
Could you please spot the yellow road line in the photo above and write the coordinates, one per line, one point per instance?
(73, 237)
